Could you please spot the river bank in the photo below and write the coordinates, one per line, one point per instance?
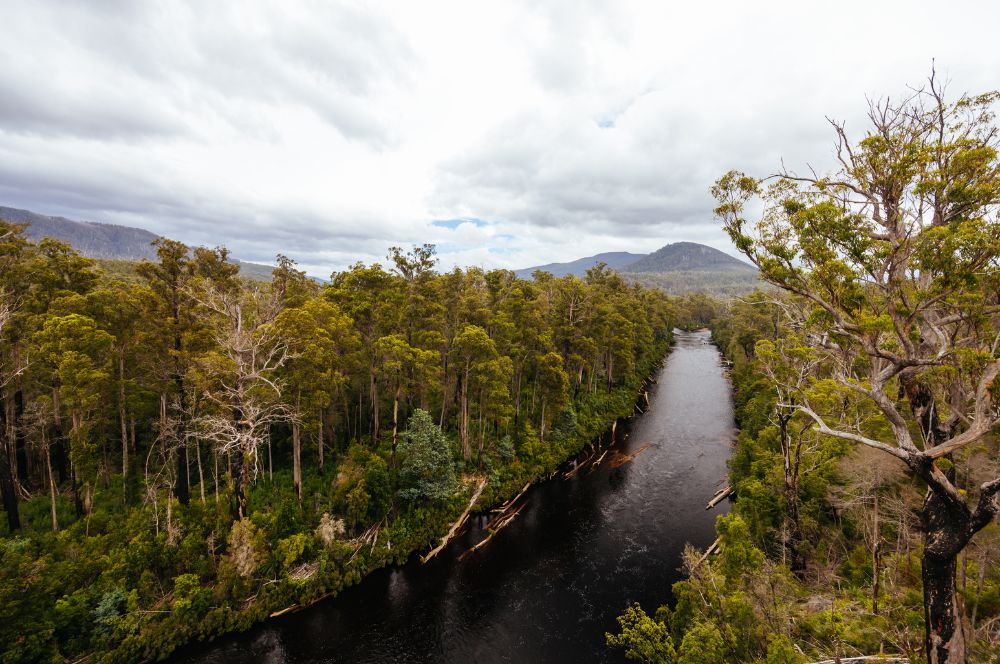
(410, 532)
(547, 587)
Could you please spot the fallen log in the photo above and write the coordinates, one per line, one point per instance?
(594, 466)
(713, 548)
(622, 459)
(719, 496)
(500, 525)
(288, 609)
(457, 525)
(506, 506)
(578, 467)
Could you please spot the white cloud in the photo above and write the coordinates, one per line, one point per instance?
(332, 131)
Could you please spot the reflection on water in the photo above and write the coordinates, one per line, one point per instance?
(549, 586)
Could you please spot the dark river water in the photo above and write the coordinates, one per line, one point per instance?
(549, 586)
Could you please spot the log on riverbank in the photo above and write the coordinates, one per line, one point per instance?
(455, 527)
(712, 549)
(498, 524)
(719, 496)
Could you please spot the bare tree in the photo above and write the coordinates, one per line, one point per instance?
(896, 257)
(245, 389)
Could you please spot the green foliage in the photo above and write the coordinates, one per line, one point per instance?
(426, 471)
(702, 644)
(291, 394)
(643, 638)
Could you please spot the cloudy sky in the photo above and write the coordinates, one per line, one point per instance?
(508, 133)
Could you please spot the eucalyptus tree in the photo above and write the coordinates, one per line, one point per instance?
(118, 308)
(372, 297)
(168, 279)
(476, 356)
(896, 256)
(245, 364)
(553, 384)
(317, 335)
(77, 354)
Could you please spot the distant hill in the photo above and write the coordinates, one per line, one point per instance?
(109, 242)
(579, 267)
(681, 267)
(688, 257)
(88, 237)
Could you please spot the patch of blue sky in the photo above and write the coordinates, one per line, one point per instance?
(452, 224)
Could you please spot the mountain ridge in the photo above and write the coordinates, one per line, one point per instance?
(673, 257)
(688, 257)
(613, 259)
(103, 241)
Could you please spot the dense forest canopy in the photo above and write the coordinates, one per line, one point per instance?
(185, 451)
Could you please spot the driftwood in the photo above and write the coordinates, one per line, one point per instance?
(713, 548)
(622, 459)
(597, 463)
(503, 509)
(457, 525)
(719, 496)
(495, 527)
(370, 536)
(578, 467)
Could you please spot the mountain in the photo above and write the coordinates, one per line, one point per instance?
(579, 267)
(688, 257)
(681, 267)
(106, 241)
(88, 237)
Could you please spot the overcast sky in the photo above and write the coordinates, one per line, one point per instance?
(508, 133)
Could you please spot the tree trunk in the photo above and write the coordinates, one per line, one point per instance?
(239, 471)
(790, 466)
(6, 477)
(464, 420)
(297, 451)
(20, 446)
(541, 425)
(52, 483)
(59, 447)
(123, 422)
(876, 555)
(374, 405)
(395, 424)
(948, 527)
(945, 535)
(320, 444)
(201, 473)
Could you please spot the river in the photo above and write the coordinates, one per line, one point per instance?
(549, 586)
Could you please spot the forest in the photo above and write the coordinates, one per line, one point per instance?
(186, 452)
(866, 472)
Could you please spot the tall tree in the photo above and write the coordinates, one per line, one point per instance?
(246, 366)
(168, 279)
(896, 256)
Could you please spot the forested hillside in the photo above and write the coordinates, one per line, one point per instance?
(90, 238)
(187, 452)
(116, 247)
